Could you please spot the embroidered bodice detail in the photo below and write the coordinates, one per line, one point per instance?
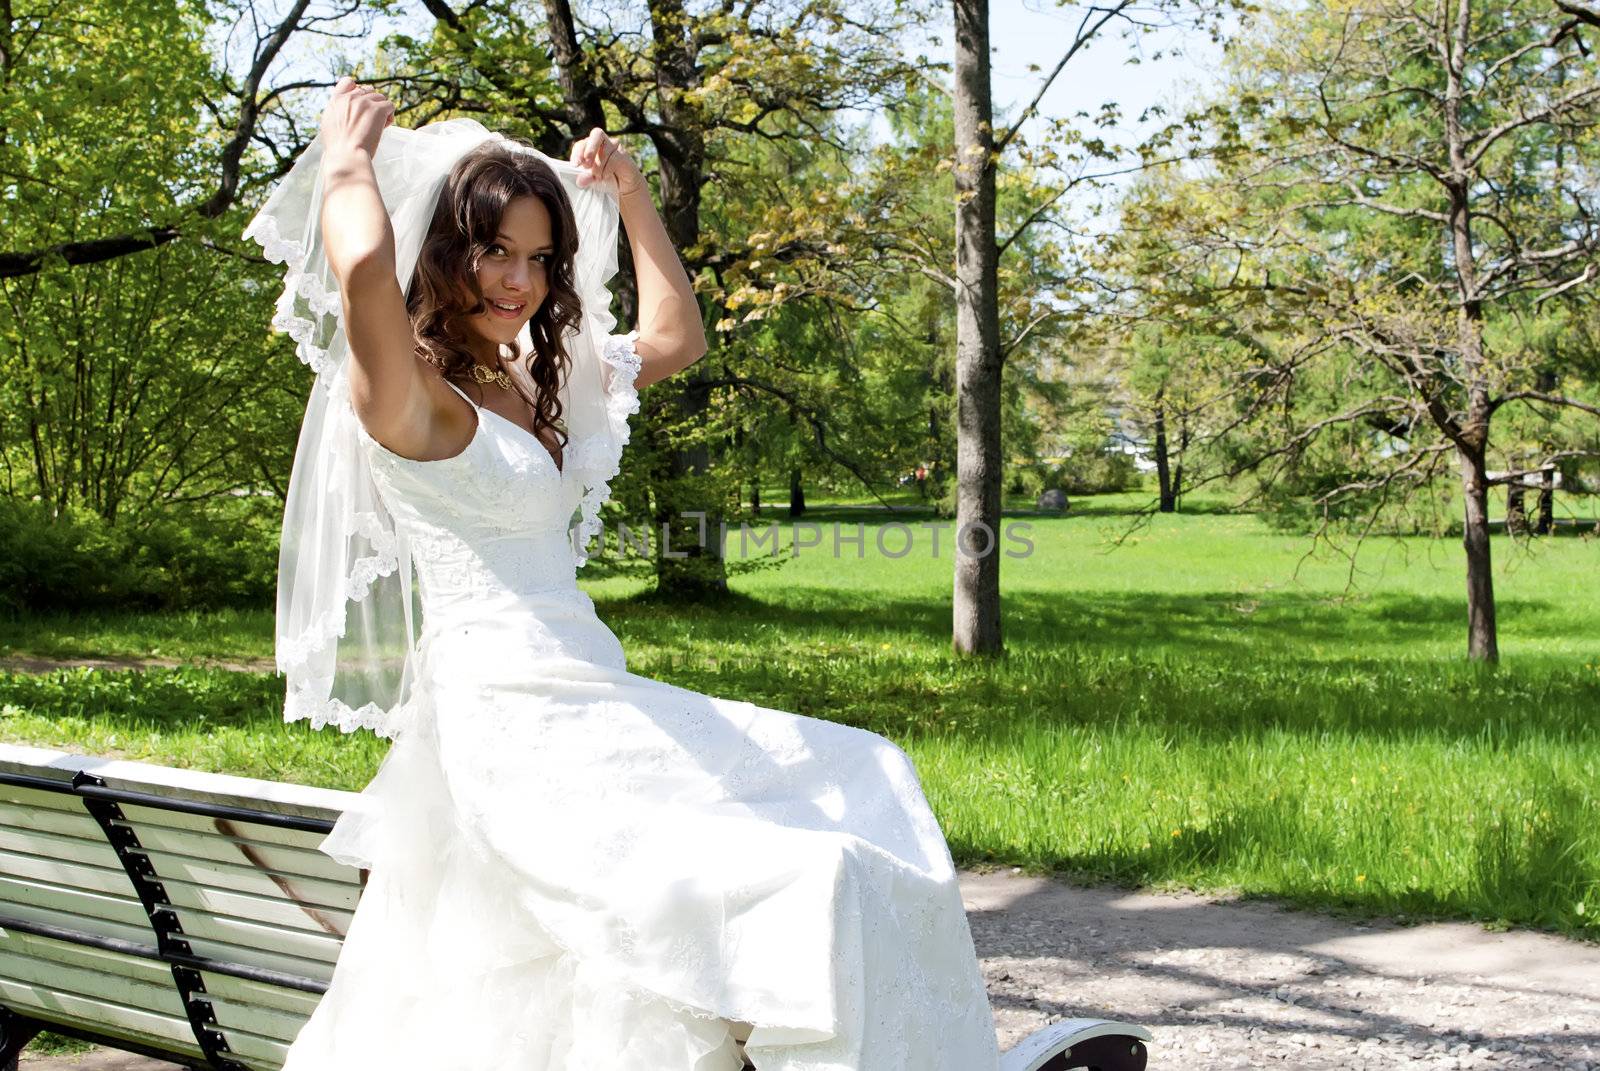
(494, 528)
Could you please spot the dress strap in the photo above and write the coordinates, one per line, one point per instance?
(461, 392)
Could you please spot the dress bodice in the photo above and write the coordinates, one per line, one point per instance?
(491, 535)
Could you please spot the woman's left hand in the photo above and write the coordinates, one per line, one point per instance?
(602, 158)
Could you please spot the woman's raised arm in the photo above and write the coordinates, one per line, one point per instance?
(671, 334)
(387, 388)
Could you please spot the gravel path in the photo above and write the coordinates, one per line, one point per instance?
(1247, 985)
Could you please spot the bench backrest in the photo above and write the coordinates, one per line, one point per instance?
(167, 911)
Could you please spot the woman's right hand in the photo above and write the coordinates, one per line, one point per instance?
(355, 117)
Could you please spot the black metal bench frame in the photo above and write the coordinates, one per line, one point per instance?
(104, 805)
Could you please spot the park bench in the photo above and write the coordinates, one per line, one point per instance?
(188, 916)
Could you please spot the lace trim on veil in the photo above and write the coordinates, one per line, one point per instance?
(304, 704)
(304, 699)
(603, 456)
(297, 282)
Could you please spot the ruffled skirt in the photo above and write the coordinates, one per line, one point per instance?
(575, 867)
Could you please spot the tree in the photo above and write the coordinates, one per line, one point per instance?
(976, 606)
(132, 360)
(1400, 192)
(60, 75)
(979, 354)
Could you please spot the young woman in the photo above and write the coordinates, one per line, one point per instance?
(571, 866)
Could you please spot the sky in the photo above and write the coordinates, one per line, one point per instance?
(1023, 32)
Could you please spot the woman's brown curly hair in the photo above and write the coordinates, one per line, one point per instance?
(465, 224)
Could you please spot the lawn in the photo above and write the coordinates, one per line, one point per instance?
(1202, 704)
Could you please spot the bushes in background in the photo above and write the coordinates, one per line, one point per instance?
(1088, 472)
(223, 555)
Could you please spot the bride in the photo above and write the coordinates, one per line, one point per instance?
(571, 866)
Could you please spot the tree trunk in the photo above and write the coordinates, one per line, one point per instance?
(578, 91)
(976, 625)
(797, 494)
(1482, 640)
(1547, 502)
(1177, 465)
(1169, 499)
(690, 565)
(682, 508)
(1471, 435)
(755, 495)
(680, 151)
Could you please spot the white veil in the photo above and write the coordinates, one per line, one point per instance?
(347, 622)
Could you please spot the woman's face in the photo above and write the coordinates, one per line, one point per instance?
(513, 272)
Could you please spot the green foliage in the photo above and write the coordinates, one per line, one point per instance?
(1106, 470)
(171, 560)
(143, 380)
(99, 117)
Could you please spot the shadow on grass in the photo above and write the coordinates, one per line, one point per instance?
(191, 699)
(1526, 865)
(1191, 663)
(1209, 623)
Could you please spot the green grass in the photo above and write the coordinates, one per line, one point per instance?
(223, 635)
(1203, 706)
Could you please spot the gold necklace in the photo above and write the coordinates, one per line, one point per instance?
(485, 375)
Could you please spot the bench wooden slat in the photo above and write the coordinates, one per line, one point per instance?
(248, 992)
(78, 824)
(79, 909)
(158, 996)
(257, 1063)
(283, 858)
(254, 956)
(250, 1047)
(242, 877)
(133, 1024)
(141, 817)
(298, 944)
(54, 845)
(197, 786)
(269, 1010)
(88, 957)
(30, 809)
(37, 799)
(111, 880)
(99, 927)
(268, 1023)
(290, 916)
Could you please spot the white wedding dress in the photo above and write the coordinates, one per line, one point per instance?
(575, 868)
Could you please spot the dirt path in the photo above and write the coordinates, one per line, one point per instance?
(1227, 985)
(1248, 985)
(35, 664)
